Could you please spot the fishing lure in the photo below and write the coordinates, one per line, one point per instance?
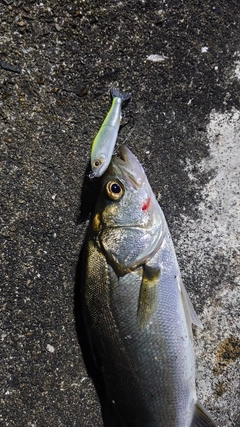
(104, 142)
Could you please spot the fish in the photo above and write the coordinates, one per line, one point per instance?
(105, 140)
(136, 309)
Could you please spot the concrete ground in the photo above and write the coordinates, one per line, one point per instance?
(181, 59)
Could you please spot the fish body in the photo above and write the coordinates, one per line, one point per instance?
(136, 307)
(104, 143)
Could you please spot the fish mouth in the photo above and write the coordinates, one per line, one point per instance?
(130, 166)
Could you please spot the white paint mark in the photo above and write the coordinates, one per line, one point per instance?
(237, 69)
(204, 49)
(213, 236)
(50, 348)
(236, 72)
(221, 206)
(219, 222)
(156, 58)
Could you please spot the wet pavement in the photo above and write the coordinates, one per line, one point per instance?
(58, 61)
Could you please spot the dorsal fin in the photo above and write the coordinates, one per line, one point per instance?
(188, 305)
(202, 418)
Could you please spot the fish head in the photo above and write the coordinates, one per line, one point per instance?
(128, 218)
(129, 200)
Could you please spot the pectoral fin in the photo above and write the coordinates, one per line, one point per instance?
(202, 418)
(147, 295)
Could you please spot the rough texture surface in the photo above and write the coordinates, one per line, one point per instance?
(58, 61)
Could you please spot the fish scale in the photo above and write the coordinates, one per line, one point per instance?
(148, 349)
(107, 339)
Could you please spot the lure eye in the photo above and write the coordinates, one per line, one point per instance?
(97, 163)
(114, 190)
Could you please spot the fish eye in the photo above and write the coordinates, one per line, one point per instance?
(114, 190)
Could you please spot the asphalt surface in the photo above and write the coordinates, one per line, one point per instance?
(58, 62)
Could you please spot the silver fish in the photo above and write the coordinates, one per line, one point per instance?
(105, 140)
(136, 307)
